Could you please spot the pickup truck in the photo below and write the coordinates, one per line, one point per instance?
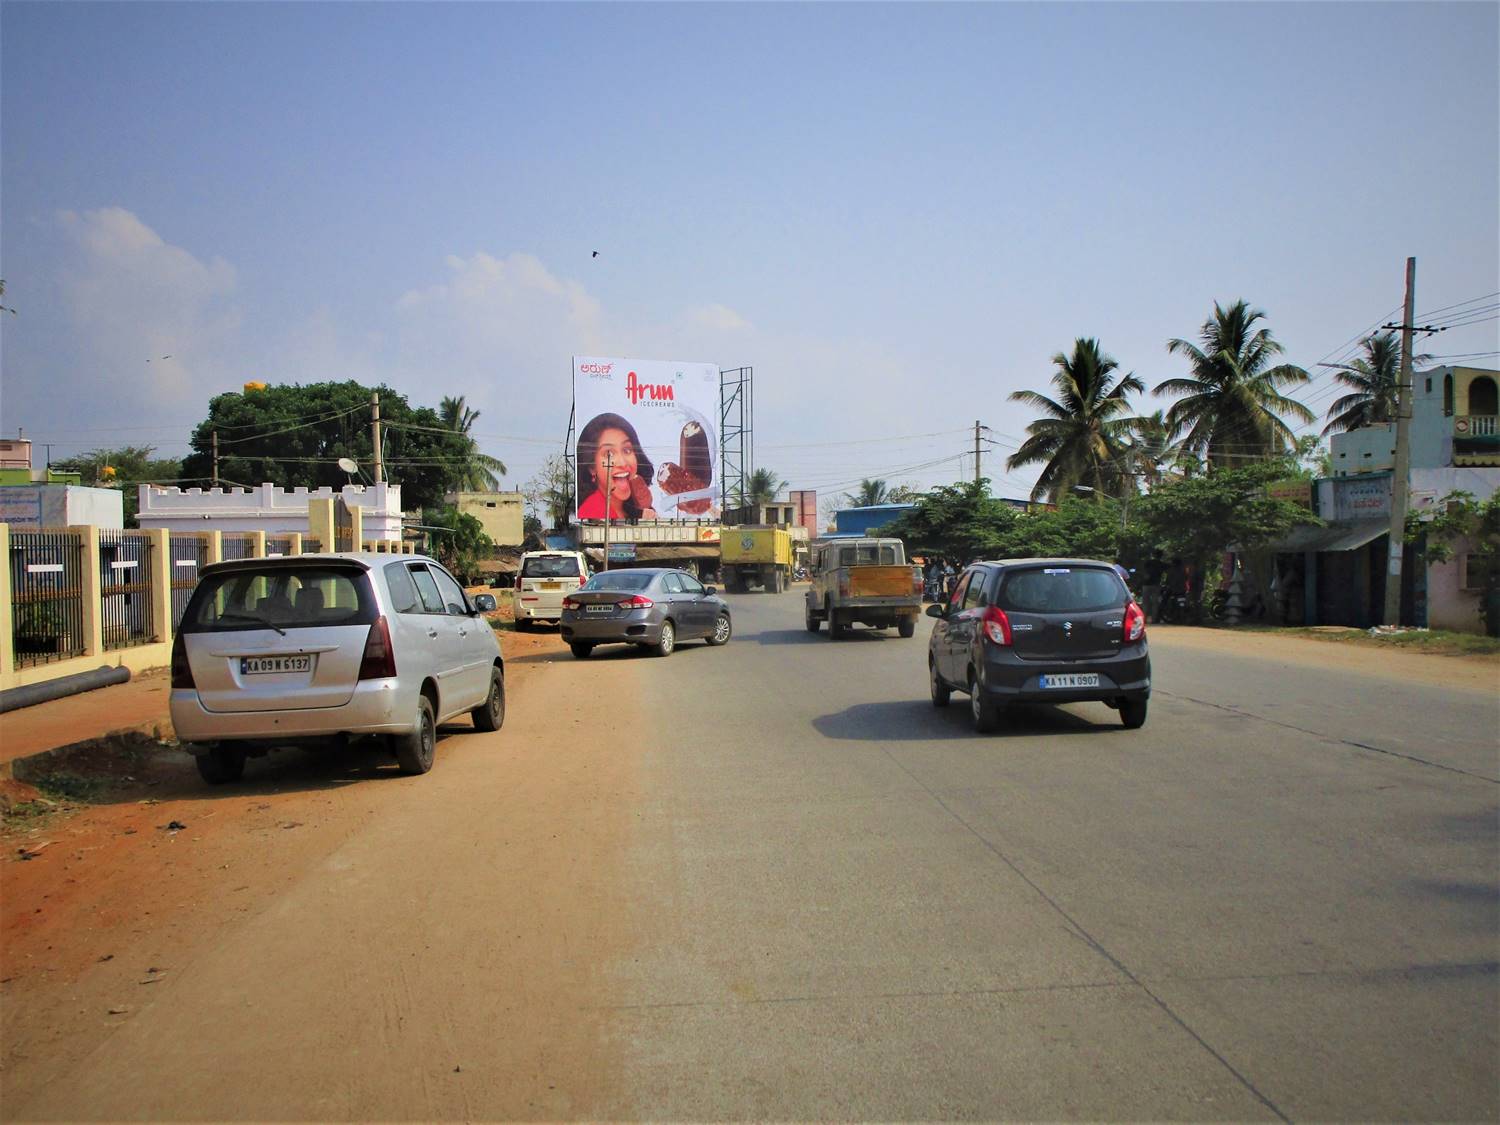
(867, 581)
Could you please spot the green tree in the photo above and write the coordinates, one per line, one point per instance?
(3, 308)
(869, 493)
(1079, 529)
(957, 521)
(125, 468)
(1373, 379)
(762, 486)
(1231, 406)
(461, 541)
(1082, 436)
(1458, 519)
(550, 491)
(480, 472)
(1151, 452)
(293, 435)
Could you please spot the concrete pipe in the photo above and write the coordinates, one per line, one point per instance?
(32, 694)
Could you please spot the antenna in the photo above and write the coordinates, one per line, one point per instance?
(350, 467)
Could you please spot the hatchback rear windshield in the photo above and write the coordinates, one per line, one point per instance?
(302, 597)
(550, 566)
(1062, 589)
(619, 580)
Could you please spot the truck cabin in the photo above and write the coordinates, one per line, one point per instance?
(833, 554)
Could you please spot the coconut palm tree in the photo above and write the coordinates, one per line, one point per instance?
(869, 493)
(762, 486)
(479, 472)
(1151, 450)
(1231, 406)
(1373, 378)
(1082, 438)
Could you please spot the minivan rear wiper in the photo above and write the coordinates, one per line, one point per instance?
(252, 617)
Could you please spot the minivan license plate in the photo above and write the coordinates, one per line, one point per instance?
(1071, 680)
(257, 665)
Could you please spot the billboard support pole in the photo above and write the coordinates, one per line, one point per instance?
(736, 432)
(608, 490)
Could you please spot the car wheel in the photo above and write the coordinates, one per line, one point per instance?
(581, 649)
(836, 628)
(907, 627)
(813, 621)
(414, 751)
(490, 715)
(985, 714)
(722, 630)
(221, 765)
(941, 692)
(523, 625)
(1133, 713)
(667, 641)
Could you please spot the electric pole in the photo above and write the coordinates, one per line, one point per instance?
(375, 435)
(1399, 483)
(216, 458)
(609, 498)
(976, 451)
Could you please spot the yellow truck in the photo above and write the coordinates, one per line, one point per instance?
(865, 580)
(756, 556)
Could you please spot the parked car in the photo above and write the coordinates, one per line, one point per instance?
(543, 579)
(319, 648)
(650, 607)
(1040, 631)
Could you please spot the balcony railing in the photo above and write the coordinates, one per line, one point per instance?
(1476, 425)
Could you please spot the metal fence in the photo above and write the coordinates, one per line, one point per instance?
(126, 588)
(46, 590)
(311, 546)
(278, 545)
(189, 553)
(237, 545)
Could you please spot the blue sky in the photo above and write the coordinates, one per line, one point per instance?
(895, 213)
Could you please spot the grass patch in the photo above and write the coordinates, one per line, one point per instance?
(1439, 642)
(72, 786)
(29, 810)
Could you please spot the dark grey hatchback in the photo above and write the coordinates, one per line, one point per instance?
(1040, 631)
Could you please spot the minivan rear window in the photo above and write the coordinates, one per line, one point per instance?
(550, 566)
(281, 597)
(1062, 589)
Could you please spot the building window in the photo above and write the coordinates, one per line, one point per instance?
(1484, 397)
(1473, 573)
(1447, 395)
(1429, 384)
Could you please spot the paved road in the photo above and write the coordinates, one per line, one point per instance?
(771, 881)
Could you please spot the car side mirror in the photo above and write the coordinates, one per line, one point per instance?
(937, 609)
(710, 591)
(484, 603)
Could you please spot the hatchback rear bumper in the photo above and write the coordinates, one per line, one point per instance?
(1008, 679)
(374, 708)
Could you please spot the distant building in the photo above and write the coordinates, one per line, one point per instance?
(868, 519)
(502, 514)
(16, 466)
(268, 508)
(61, 505)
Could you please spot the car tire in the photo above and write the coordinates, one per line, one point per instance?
(581, 649)
(415, 750)
(722, 631)
(1133, 713)
(907, 627)
(813, 621)
(836, 627)
(941, 692)
(221, 765)
(490, 715)
(985, 714)
(667, 641)
(523, 625)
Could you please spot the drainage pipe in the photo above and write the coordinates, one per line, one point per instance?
(32, 694)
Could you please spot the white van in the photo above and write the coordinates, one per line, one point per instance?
(544, 579)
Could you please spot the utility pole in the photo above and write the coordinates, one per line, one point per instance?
(976, 451)
(608, 490)
(216, 458)
(375, 428)
(1399, 482)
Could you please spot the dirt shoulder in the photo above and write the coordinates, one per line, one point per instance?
(1470, 672)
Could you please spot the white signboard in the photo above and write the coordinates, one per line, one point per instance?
(648, 439)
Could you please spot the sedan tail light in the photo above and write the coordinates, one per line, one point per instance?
(996, 626)
(1135, 622)
(572, 603)
(379, 660)
(182, 671)
(636, 601)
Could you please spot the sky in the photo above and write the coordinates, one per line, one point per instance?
(896, 214)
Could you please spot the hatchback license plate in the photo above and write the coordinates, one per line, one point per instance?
(258, 665)
(1071, 680)
(605, 608)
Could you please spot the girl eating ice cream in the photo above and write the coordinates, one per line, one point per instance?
(612, 464)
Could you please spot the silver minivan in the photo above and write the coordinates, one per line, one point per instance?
(312, 648)
(543, 580)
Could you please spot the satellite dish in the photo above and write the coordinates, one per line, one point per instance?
(348, 465)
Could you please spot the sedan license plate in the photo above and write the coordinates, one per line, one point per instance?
(259, 665)
(606, 607)
(1071, 680)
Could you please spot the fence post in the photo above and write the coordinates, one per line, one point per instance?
(320, 523)
(357, 526)
(7, 638)
(161, 583)
(93, 591)
(294, 545)
(258, 544)
(215, 552)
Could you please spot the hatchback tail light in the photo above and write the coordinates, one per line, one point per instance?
(182, 671)
(379, 660)
(1135, 622)
(996, 626)
(636, 601)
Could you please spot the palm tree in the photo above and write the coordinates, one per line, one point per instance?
(870, 493)
(1082, 438)
(1374, 378)
(479, 472)
(761, 487)
(1231, 405)
(1151, 450)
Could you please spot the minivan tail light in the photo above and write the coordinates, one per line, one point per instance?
(996, 626)
(1135, 622)
(518, 583)
(182, 671)
(379, 660)
(636, 601)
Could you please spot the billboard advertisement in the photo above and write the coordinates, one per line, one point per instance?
(648, 439)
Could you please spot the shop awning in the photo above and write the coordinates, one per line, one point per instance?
(1345, 535)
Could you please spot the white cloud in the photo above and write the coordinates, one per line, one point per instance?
(718, 318)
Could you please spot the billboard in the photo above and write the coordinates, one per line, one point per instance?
(648, 439)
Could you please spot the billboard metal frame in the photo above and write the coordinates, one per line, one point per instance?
(736, 433)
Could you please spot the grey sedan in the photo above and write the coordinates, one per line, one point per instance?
(650, 607)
